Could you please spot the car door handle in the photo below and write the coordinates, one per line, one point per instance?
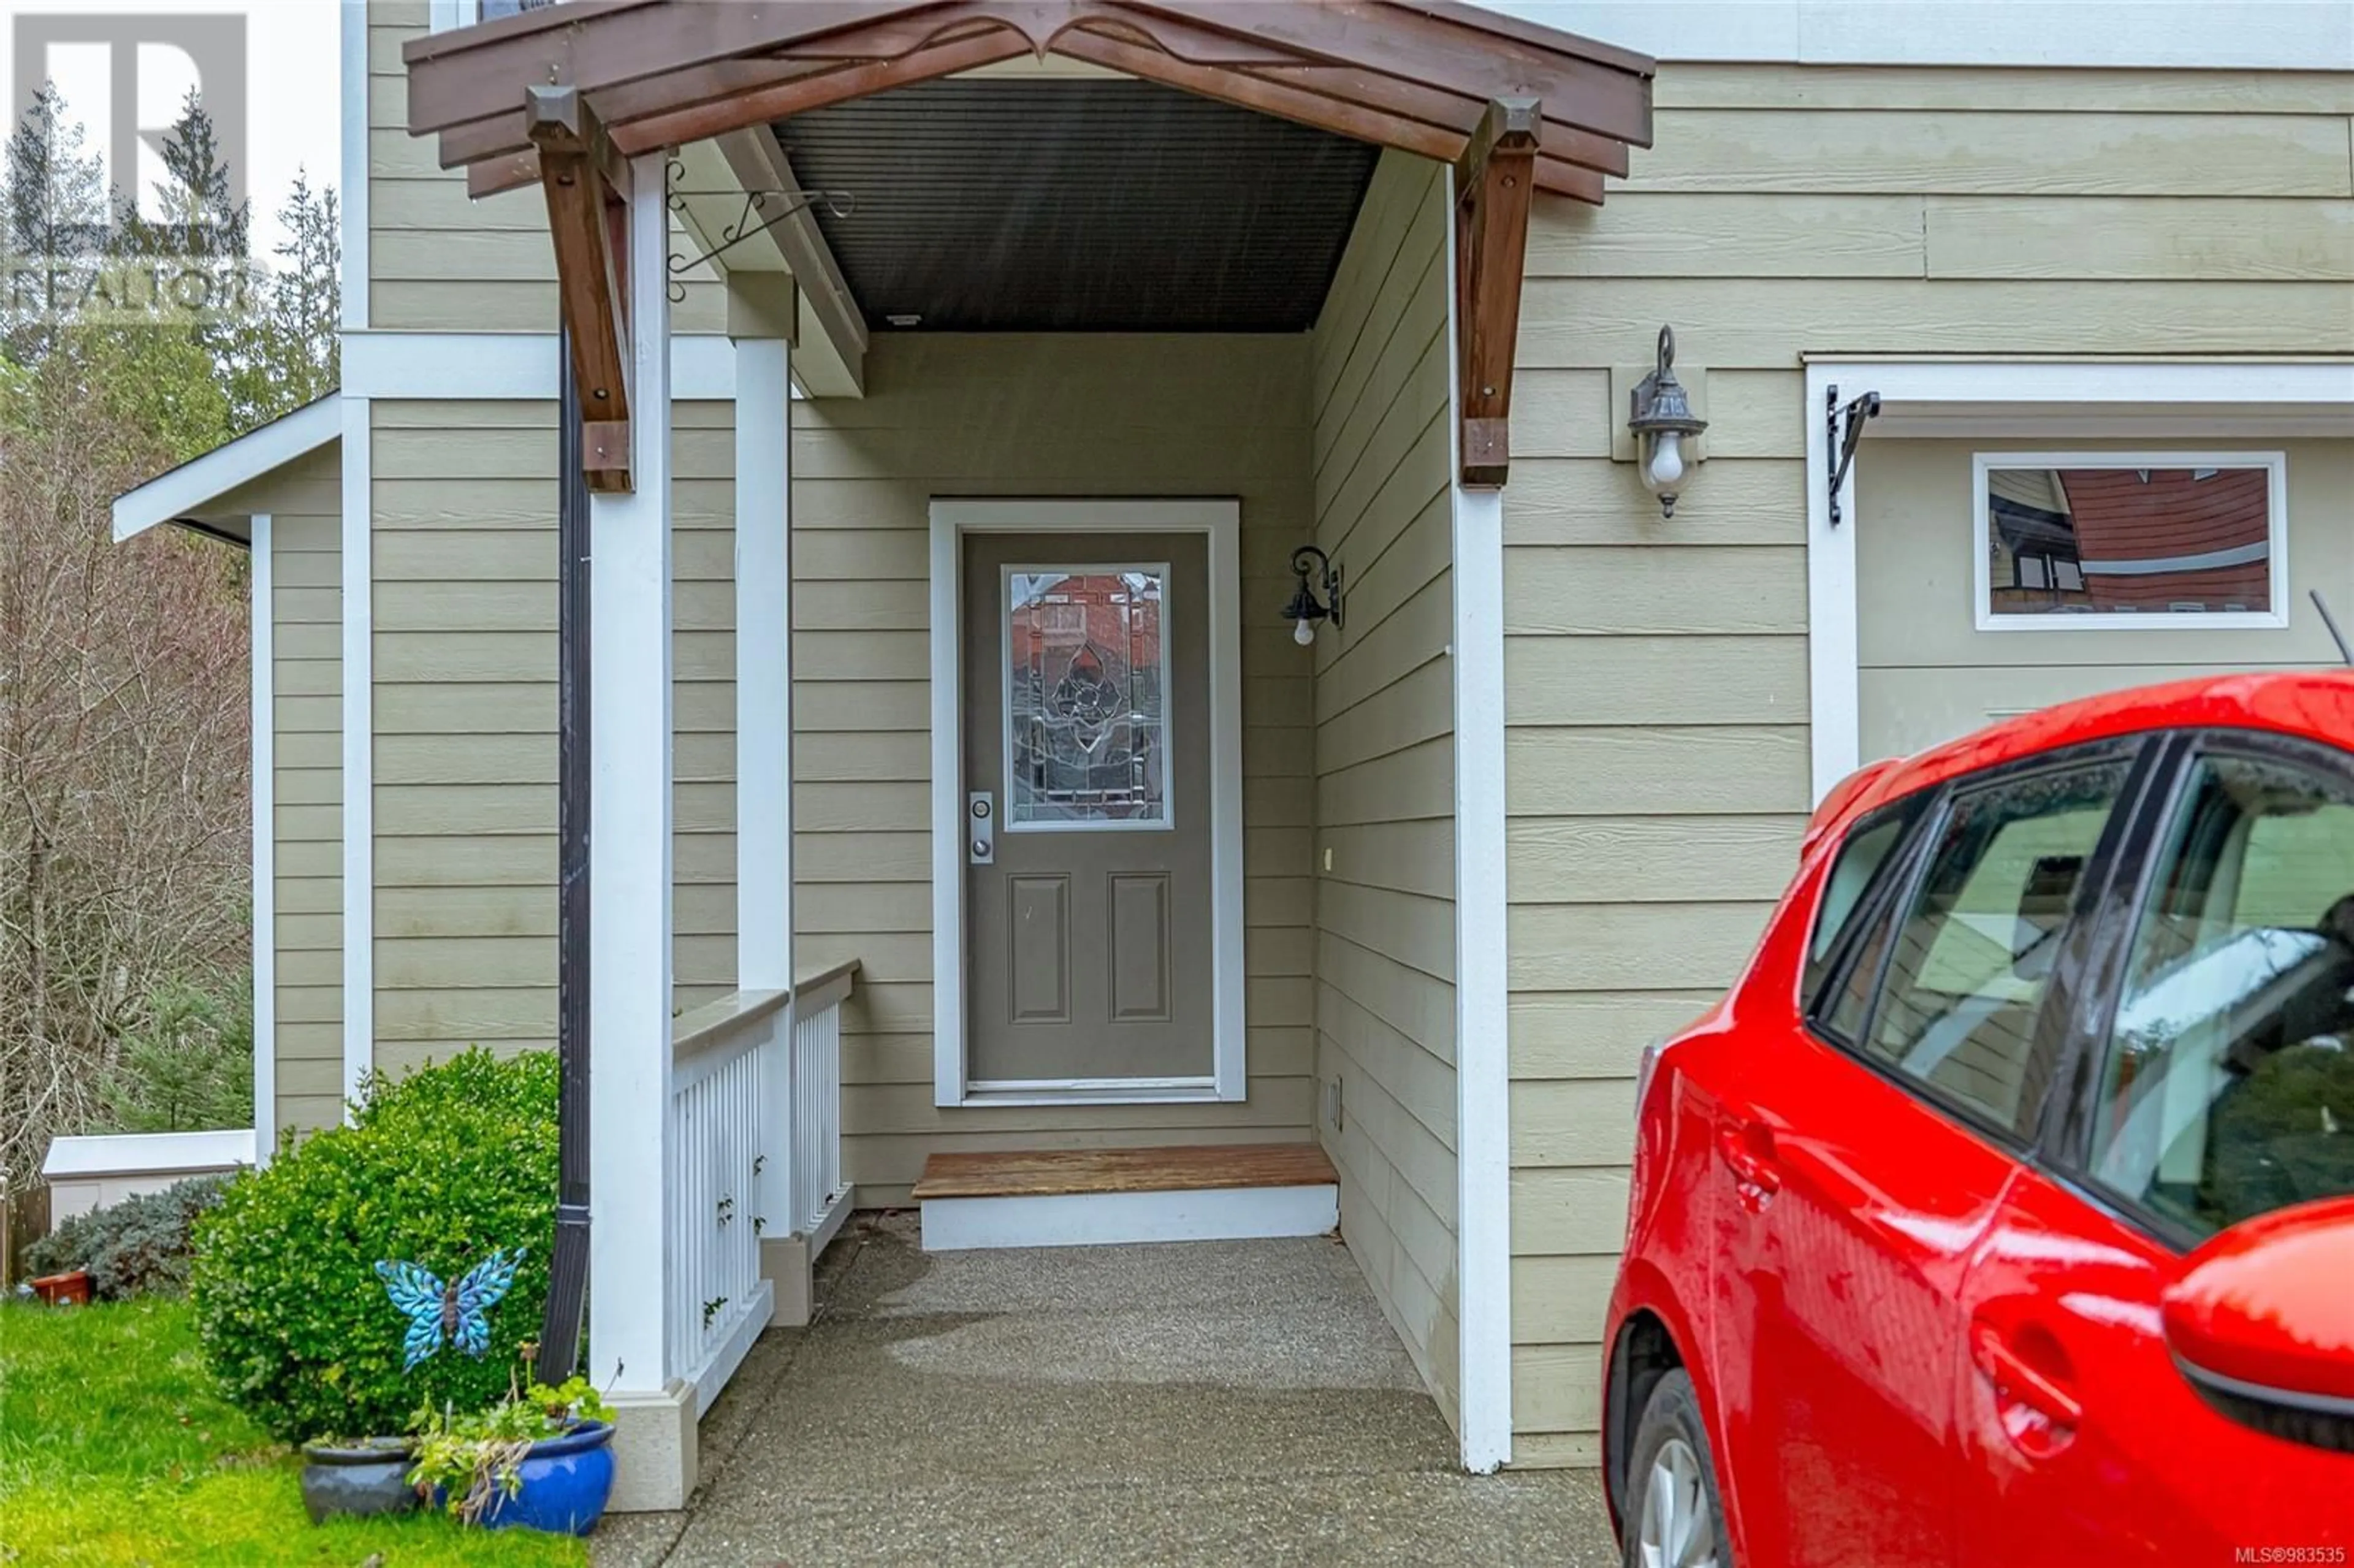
(1747, 1150)
(2017, 1379)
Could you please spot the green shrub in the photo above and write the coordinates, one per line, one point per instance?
(140, 1246)
(440, 1168)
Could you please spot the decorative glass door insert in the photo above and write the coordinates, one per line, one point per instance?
(1086, 718)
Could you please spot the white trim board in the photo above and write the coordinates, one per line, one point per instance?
(448, 366)
(262, 787)
(1483, 1068)
(1106, 1219)
(1979, 397)
(353, 137)
(357, 716)
(197, 483)
(2248, 35)
(1221, 521)
(2274, 552)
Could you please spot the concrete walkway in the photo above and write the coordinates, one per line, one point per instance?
(1223, 1403)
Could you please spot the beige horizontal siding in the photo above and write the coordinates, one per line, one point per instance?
(1050, 415)
(465, 721)
(1657, 756)
(1384, 757)
(305, 502)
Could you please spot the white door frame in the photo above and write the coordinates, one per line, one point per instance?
(2049, 401)
(1221, 522)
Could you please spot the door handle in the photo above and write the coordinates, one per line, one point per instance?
(2018, 1379)
(1747, 1150)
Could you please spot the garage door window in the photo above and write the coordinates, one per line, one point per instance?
(2121, 540)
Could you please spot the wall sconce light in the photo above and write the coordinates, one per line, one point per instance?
(1304, 611)
(1660, 420)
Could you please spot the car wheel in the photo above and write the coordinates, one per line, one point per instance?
(1674, 1519)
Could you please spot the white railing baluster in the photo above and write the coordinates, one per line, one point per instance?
(756, 1149)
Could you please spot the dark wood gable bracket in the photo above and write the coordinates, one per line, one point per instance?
(1492, 181)
(588, 217)
(569, 92)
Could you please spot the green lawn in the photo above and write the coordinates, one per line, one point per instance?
(115, 1450)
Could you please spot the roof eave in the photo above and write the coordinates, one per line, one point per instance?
(183, 495)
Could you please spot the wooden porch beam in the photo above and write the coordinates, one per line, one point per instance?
(789, 92)
(588, 218)
(592, 48)
(1591, 89)
(664, 73)
(1286, 101)
(1492, 183)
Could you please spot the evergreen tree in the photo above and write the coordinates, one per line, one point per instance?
(56, 230)
(290, 356)
(194, 217)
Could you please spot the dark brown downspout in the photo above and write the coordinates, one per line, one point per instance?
(567, 1285)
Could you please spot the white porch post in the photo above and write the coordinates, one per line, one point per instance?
(629, 908)
(764, 668)
(764, 803)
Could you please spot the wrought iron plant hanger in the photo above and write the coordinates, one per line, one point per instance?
(841, 203)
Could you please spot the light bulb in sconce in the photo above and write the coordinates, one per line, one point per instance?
(1667, 471)
(1304, 633)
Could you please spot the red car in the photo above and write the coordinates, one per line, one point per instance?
(1999, 1214)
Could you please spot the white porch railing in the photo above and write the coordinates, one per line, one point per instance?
(815, 1197)
(754, 1152)
(718, 1302)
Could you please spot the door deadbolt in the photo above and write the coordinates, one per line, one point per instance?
(980, 807)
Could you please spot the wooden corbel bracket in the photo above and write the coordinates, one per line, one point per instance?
(1494, 179)
(588, 214)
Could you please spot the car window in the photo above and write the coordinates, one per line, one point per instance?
(1974, 951)
(2227, 1081)
(1860, 860)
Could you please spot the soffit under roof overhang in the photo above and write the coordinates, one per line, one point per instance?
(1076, 204)
(563, 95)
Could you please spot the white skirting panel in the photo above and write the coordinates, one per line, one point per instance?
(1098, 1219)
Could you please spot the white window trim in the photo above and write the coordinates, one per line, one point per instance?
(2279, 585)
(1221, 521)
(1166, 823)
(1986, 397)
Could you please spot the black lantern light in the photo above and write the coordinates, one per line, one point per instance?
(1660, 420)
(1304, 610)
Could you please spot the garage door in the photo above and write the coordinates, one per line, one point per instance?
(1995, 578)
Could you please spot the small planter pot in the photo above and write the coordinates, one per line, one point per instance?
(358, 1480)
(64, 1289)
(565, 1483)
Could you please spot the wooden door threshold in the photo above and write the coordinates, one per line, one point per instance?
(1080, 1197)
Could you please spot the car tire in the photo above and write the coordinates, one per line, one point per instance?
(1674, 1515)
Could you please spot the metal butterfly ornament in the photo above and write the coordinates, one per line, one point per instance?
(455, 1312)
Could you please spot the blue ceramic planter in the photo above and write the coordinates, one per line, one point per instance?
(566, 1481)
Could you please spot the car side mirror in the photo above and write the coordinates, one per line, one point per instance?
(2260, 1320)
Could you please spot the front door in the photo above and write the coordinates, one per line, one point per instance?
(1086, 758)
